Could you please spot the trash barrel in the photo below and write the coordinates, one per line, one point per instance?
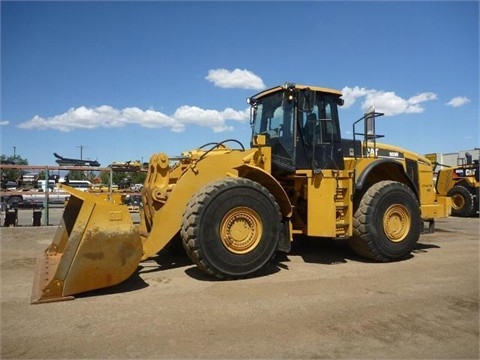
(11, 218)
(37, 217)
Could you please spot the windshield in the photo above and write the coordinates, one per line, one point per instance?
(273, 117)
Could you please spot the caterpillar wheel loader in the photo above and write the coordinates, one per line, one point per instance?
(232, 208)
(462, 184)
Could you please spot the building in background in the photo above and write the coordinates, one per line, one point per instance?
(445, 160)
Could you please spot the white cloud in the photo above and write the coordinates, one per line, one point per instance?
(386, 101)
(458, 101)
(4, 122)
(237, 78)
(210, 118)
(108, 117)
(351, 95)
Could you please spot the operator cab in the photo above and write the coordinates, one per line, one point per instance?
(301, 125)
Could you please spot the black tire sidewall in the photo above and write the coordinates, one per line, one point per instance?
(210, 217)
(387, 196)
(14, 201)
(468, 208)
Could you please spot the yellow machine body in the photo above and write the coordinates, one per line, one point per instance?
(167, 191)
(462, 184)
(232, 207)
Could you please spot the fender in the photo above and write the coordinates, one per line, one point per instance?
(268, 181)
(362, 178)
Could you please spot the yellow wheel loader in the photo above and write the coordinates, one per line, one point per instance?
(232, 208)
(462, 184)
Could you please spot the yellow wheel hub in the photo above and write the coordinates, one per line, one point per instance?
(396, 222)
(241, 230)
(458, 202)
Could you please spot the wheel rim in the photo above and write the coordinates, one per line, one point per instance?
(241, 230)
(458, 202)
(396, 222)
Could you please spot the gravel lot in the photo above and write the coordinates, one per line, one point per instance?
(321, 301)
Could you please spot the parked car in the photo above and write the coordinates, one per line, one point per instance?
(55, 196)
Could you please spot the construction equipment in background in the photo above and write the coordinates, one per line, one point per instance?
(127, 166)
(116, 195)
(232, 208)
(462, 184)
(62, 161)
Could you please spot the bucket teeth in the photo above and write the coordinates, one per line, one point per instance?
(45, 287)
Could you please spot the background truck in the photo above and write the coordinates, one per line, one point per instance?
(462, 184)
(232, 208)
(34, 196)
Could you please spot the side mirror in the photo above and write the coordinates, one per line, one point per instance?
(259, 140)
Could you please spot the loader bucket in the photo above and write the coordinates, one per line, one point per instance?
(95, 246)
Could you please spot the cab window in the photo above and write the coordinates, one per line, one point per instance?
(320, 123)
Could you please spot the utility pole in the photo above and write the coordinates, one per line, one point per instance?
(14, 151)
(81, 151)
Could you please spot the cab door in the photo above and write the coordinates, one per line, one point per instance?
(319, 140)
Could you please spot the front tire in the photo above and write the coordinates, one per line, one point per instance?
(231, 228)
(463, 203)
(387, 222)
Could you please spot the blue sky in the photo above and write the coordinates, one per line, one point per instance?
(125, 80)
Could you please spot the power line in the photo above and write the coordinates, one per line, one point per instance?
(81, 150)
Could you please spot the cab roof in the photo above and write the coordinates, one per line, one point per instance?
(297, 86)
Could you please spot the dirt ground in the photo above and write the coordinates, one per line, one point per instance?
(321, 301)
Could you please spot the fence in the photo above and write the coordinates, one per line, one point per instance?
(11, 212)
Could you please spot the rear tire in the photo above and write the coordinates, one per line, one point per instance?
(231, 228)
(14, 201)
(387, 222)
(463, 202)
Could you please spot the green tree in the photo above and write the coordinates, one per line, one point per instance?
(139, 177)
(12, 174)
(123, 179)
(81, 175)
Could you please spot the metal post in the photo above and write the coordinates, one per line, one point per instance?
(110, 187)
(46, 217)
